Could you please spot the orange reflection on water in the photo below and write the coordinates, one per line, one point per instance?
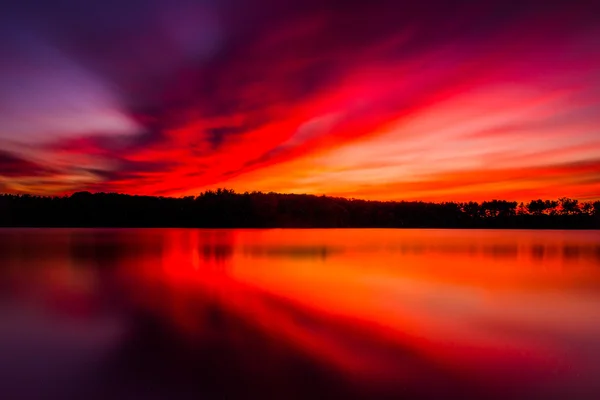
(393, 308)
(411, 313)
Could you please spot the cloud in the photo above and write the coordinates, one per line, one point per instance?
(324, 97)
(13, 166)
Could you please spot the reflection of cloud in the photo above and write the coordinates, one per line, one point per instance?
(395, 309)
(218, 253)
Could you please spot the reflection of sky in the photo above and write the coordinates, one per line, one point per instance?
(381, 100)
(484, 305)
(490, 308)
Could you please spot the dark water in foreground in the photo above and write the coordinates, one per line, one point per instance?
(189, 314)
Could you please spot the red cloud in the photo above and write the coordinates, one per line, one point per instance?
(501, 101)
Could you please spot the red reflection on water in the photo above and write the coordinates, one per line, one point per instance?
(418, 313)
(394, 308)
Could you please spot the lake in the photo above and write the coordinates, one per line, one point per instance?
(286, 313)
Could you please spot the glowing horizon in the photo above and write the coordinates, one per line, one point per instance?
(436, 102)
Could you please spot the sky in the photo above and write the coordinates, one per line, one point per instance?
(388, 100)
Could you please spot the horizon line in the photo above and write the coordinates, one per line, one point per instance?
(233, 191)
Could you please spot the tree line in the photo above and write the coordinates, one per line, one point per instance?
(225, 208)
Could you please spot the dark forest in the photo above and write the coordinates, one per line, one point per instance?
(224, 208)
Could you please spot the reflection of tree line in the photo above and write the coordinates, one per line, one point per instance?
(537, 251)
(217, 252)
(225, 208)
(300, 252)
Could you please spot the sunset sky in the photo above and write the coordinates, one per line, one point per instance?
(389, 100)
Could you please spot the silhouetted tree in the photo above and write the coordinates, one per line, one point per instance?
(538, 207)
(471, 209)
(498, 208)
(587, 208)
(225, 208)
(569, 206)
(521, 209)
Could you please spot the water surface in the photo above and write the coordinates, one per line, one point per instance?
(185, 313)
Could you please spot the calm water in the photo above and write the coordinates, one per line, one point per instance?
(178, 314)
